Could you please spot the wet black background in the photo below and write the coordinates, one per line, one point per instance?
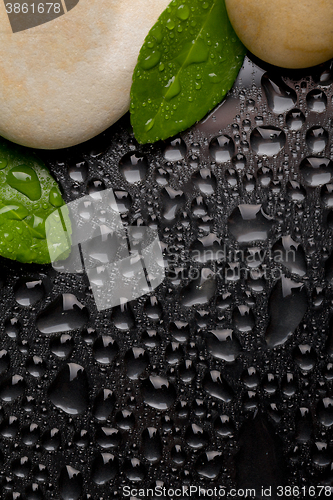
(225, 380)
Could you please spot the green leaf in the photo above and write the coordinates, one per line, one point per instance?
(28, 195)
(188, 62)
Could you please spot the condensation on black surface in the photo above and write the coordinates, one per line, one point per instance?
(222, 375)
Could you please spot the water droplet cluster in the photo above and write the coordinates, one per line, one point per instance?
(233, 352)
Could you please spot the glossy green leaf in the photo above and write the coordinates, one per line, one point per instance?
(28, 195)
(188, 62)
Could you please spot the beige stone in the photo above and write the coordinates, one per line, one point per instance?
(66, 81)
(286, 33)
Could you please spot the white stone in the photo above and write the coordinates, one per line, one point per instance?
(67, 80)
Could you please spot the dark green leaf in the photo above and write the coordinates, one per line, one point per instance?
(28, 195)
(188, 62)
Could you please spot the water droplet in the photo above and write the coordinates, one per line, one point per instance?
(183, 12)
(325, 412)
(149, 124)
(70, 483)
(303, 425)
(209, 464)
(40, 473)
(305, 357)
(51, 439)
(151, 60)
(170, 24)
(151, 445)
(200, 290)
(171, 201)
(104, 468)
(199, 207)
(223, 344)
(224, 426)
(196, 437)
(4, 361)
(207, 249)
(95, 186)
(9, 427)
(25, 180)
(265, 177)
(153, 309)
(249, 182)
(222, 148)
(239, 162)
(175, 150)
(267, 140)
(316, 101)
(136, 360)
(35, 366)
(317, 139)
(158, 392)
(173, 88)
(125, 420)
(316, 171)
(30, 434)
(216, 386)
(295, 191)
(104, 404)
(243, 318)
(81, 438)
(62, 346)
(249, 223)
(21, 467)
(123, 317)
(290, 254)
(179, 330)
(205, 180)
(3, 163)
(174, 353)
(326, 195)
(295, 119)
(12, 388)
(187, 371)
(78, 172)
(69, 390)
(286, 307)
(12, 327)
(215, 78)
(14, 212)
(106, 437)
(134, 167)
(123, 200)
(27, 293)
(321, 456)
(224, 302)
(134, 470)
(64, 314)
(279, 96)
(178, 456)
(105, 349)
(162, 177)
(33, 492)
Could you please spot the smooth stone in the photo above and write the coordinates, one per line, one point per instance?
(65, 81)
(286, 33)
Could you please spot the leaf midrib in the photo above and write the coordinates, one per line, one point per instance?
(190, 51)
